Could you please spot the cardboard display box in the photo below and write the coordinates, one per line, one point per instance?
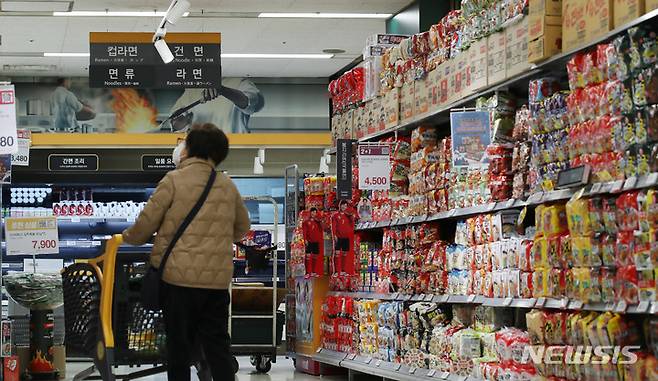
(407, 102)
(348, 123)
(585, 20)
(421, 95)
(546, 46)
(379, 117)
(516, 48)
(496, 58)
(537, 25)
(391, 106)
(626, 11)
(359, 127)
(651, 5)
(599, 18)
(460, 73)
(444, 86)
(545, 7)
(477, 70)
(434, 88)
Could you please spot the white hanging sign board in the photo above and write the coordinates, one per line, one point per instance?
(22, 157)
(8, 139)
(374, 167)
(31, 235)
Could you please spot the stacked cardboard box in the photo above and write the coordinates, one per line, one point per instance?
(584, 21)
(544, 29)
(516, 47)
(626, 11)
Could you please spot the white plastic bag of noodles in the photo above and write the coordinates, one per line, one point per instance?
(35, 291)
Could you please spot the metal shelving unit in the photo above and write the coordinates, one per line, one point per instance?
(386, 370)
(550, 66)
(613, 187)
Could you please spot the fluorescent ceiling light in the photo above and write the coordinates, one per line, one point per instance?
(227, 55)
(66, 54)
(35, 6)
(114, 14)
(327, 15)
(282, 56)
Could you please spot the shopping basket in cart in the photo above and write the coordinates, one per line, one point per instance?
(105, 320)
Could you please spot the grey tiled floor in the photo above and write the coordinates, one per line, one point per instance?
(281, 371)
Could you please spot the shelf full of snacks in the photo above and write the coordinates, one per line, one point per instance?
(362, 129)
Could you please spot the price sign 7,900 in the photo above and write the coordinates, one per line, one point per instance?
(374, 167)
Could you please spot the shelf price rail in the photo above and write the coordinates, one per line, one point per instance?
(386, 370)
(614, 187)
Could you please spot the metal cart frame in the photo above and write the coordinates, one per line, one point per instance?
(89, 286)
(262, 354)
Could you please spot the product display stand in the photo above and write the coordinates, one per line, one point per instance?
(474, 256)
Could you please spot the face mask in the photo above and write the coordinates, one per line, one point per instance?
(176, 155)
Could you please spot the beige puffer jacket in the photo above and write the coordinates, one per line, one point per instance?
(203, 256)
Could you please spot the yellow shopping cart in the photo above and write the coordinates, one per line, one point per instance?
(105, 320)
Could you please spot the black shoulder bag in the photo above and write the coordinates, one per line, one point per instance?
(150, 294)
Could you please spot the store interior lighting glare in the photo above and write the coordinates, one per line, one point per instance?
(259, 160)
(114, 14)
(321, 15)
(325, 160)
(176, 10)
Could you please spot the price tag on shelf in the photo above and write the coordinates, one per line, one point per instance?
(510, 203)
(8, 107)
(352, 357)
(654, 308)
(31, 235)
(643, 307)
(617, 186)
(444, 375)
(431, 373)
(596, 188)
(576, 305)
(471, 298)
(491, 206)
(621, 307)
(318, 350)
(395, 296)
(564, 303)
(630, 183)
(652, 179)
(75, 219)
(368, 360)
(412, 370)
(535, 198)
(397, 367)
(541, 302)
(452, 213)
(507, 302)
(378, 363)
(374, 167)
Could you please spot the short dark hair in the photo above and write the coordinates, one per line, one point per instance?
(314, 209)
(60, 81)
(206, 141)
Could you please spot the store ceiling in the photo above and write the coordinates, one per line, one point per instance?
(26, 35)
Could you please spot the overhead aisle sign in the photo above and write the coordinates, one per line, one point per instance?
(8, 143)
(119, 60)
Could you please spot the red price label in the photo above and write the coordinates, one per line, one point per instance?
(376, 180)
(44, 244)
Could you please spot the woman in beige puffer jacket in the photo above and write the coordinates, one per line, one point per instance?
(199, 270)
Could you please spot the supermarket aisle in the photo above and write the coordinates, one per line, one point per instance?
(281, 371)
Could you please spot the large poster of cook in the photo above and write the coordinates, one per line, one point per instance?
(70, 105)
